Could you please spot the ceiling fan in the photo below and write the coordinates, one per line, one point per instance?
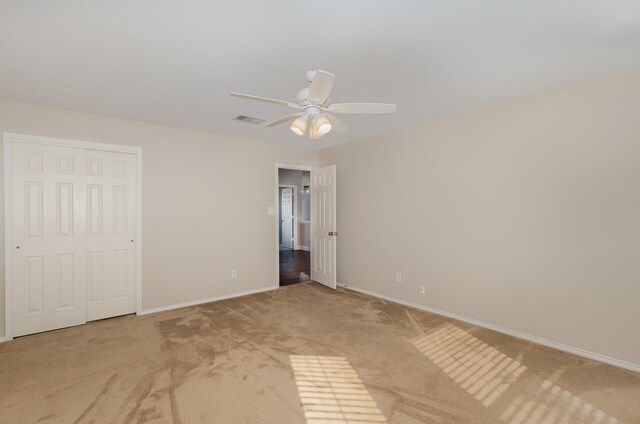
(317, 112)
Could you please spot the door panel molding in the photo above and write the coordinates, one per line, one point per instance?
(64, 164)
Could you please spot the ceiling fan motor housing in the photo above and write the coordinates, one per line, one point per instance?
(303, 99)
(311, 112)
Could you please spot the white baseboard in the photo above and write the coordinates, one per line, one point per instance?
(305, 248)
(3, 339)
(201, 301)
(563, 347)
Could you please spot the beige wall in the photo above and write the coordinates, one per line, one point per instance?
(205, 200)
(525, 216)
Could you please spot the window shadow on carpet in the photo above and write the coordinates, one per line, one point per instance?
(331, 391)
(482, 370)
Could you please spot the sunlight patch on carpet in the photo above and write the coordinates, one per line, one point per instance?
(332, 393)
(551, 404)
(483, 371)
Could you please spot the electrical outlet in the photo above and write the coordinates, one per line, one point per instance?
(398, 277)
(423, 289)
(234, 273)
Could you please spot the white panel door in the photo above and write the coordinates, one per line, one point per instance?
(110, 232)
(323, 221)
(48, 237)
(286, 216)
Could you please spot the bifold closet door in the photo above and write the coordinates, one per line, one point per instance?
(110, 233)
(48, 290)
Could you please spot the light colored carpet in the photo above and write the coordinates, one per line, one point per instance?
(303, 354)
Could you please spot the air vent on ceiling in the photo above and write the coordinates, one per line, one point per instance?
(249, 119)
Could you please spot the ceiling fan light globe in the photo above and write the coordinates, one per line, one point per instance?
(324, 129)
(322, 124)
(299, 126)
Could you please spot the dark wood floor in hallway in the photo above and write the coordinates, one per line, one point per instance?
(295, 266)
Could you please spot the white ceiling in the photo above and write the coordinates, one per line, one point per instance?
(173, 62)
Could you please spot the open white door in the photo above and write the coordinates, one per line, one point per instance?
(286, 211)
(323, 221)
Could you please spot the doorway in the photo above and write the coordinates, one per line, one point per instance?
(294, 226)
(288, 196)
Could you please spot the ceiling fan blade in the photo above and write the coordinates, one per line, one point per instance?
(264, 99)
(337, 125)
(362, 108)
(320, 87)
(283, 120)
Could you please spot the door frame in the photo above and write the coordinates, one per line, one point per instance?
(8, 139)
(295, 212)
(279, 166)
